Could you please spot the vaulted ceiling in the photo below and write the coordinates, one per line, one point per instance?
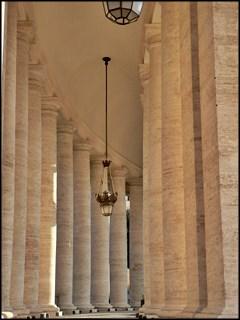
(74, 36)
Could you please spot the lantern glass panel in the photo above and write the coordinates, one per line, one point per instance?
(116, 13)
(127, 4)
(132, 15)
(105, 6)
(137, 6)
(125, 12)
(106, 210)
(113, 5)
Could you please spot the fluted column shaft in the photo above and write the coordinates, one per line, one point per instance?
(48, 228)
(8, 150)
(100, 272)
(64, 261)
(136, 241)
(157, 296)
(34, 188)
(21, 157)
(82, 227)
(118, 244)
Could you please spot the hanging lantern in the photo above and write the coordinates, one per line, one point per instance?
(122, 12)
(106, 195)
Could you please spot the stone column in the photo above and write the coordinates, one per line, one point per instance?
(48, 228)
(33, 189)
(8, 150)
(21, 162)
(144, 76)
(225, 27)
(217, 27)
(155, 214)
(136, 241)
(100, 272)
(64, 261)
(118, 243)
(174, 218)
(82, 227)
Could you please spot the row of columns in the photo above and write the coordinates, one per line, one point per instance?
(65, 249)
(185, 258)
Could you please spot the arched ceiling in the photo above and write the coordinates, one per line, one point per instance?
(74, 36)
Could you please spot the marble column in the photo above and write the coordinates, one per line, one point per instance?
(21, 168)
(100, 271)
(64, 260)
(118, 243)
(48, 228)
(144, 77)
(82, 226)
(155, 216)
(8, 149)
(136, 241)
(31, 276)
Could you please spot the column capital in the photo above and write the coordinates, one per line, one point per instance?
(25, 30)
(135, 181)
(50, 106)
(65, 126)
(152, 35)
(36, 76)
(120, 172)
(81, 145)
(97, 158)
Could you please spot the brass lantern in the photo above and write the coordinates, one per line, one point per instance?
(122, 12)
(106, 195)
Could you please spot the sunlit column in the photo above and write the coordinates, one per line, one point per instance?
(118, 243)
(31, 277)
(82, 226)
(154, 174)
(100, 272)
(48, 228)
(21, 168)
(136, 241)
(64, 260)
(8, 149)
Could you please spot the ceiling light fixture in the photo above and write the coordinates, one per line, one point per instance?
(106, 195)
(122, 12)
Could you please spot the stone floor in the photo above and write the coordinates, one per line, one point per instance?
(103, 315)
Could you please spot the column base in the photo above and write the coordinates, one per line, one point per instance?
(20, 311)
(51, 310)
(120, 306)
(68, 309)
(84, 307)
(209, 312)
(7, 315)
(229, 313)
(103, 306)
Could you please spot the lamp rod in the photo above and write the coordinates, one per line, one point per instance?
(106, 60)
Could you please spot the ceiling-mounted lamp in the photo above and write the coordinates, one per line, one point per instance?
(106, 195)
(122, 12)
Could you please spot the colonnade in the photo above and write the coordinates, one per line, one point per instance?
(63, 255)
(58, 254)
(187, 207)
